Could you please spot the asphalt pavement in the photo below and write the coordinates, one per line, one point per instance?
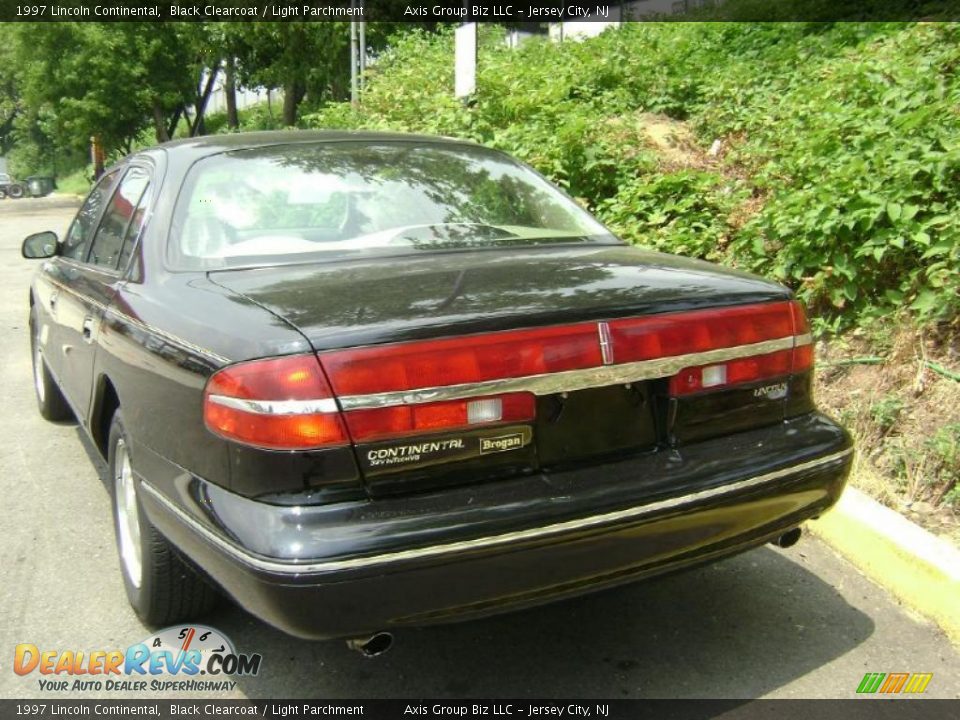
(797, 623)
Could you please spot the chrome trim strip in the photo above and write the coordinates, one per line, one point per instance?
(169, 337)
(70, 291)
(805, 339)
(566, 381)
(277, 407)
(299, 568)
(143, 326)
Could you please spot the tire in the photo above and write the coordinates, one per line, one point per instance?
(15, 192)
(3, 194)
(162, 588)
(50, 400)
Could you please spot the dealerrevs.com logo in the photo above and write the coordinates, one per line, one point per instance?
(182, 658)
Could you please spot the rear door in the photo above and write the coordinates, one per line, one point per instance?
(90, 281)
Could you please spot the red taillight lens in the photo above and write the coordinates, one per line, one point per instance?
(286, 403)
(802, 354)
(380, 423)
(280, 404)
(801, 326)
(456, 361)
(760, 323)
(732, 372)
(649, 338)
(802, 358)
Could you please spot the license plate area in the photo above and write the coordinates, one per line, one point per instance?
(590, 423)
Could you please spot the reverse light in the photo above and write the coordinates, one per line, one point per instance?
(713, 375)
(484, 411)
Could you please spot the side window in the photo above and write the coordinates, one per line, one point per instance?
(134, 229)
(78, 237)
(119, 216)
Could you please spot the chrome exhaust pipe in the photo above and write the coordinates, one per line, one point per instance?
(372, 645)
(789, 538)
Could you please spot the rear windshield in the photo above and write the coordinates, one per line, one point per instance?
(305, 202)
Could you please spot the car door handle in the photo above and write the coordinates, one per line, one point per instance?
(88, 329)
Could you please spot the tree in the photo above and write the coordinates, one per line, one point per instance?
(10, 106)
(304, 60)
(112, 80)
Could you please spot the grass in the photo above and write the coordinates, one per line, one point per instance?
(76, 183)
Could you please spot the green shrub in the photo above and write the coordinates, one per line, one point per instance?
(841, 174)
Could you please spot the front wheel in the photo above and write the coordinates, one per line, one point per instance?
(162, 588)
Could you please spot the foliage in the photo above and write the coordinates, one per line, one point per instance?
(76, 183)
(885, 412)
(861, 160)
(944, 447)
(840, 173)
(80, 89)
(62, 83)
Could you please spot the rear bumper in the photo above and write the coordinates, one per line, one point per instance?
(344, 570)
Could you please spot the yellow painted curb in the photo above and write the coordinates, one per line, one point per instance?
(920, 569)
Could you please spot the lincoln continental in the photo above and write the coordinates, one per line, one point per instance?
(363, 381)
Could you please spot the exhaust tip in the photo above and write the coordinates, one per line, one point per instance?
(789, 538)
(373, 645)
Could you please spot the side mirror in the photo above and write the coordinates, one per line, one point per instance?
(40, 245)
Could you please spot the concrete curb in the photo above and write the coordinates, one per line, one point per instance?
(919, 568)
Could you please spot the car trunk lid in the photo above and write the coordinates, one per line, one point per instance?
(467, 366)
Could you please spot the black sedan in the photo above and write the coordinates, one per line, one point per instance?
(360, 381)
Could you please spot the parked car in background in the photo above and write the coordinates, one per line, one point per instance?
(362, 381)
(11, 188)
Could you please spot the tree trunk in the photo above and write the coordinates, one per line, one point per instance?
(293, 93)
(174, 121)
(230, 91)
(201, 104)
(160, 123)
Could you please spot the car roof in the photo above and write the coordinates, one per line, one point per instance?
(213, 144)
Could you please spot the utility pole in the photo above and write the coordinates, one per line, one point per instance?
(354, 89)
(363, 46)
(96, 156)
(358, 53)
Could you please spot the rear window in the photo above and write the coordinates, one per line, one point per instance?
(310, 201)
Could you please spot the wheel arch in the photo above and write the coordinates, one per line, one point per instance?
(106, 401)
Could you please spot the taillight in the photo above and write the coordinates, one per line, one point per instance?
(802, 354)
(658, 336)
(381, 423)
(436, 386)
(457, 361)
(732, 372)
(280, 404)
(767, 325)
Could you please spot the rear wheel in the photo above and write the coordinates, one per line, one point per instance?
(162, 587)
(15, 191)
(50, 401)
